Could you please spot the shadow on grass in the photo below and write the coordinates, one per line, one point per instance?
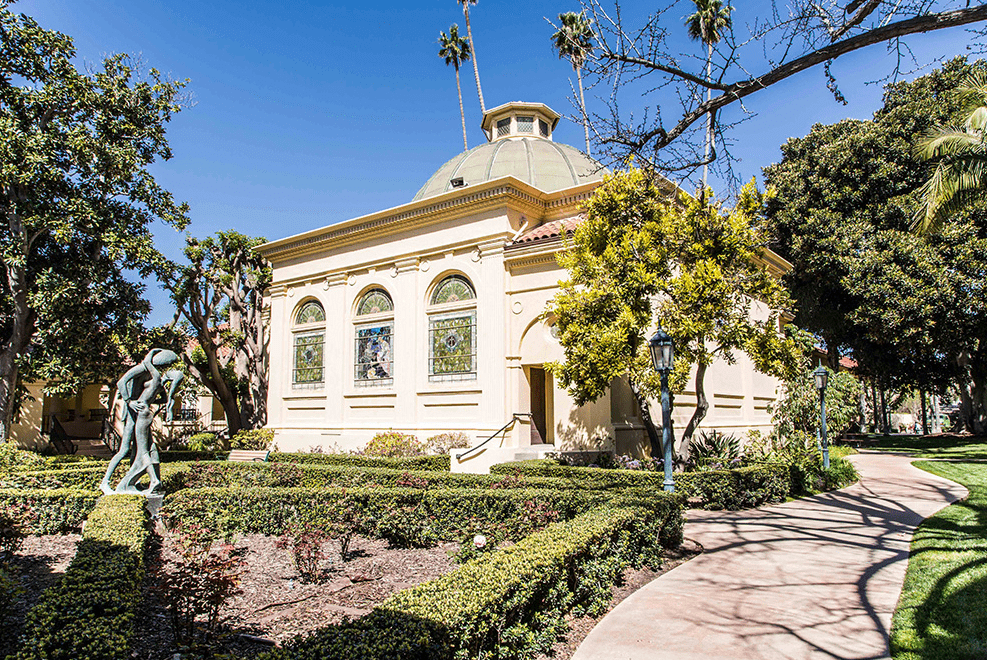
(943, 445)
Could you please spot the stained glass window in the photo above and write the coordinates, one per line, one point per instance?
(452, 345)
(525, 124)
(311, 312)
(453, 289)
(309, 352)
(373, 359)
(375, 302)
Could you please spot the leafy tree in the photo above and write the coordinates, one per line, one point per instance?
(469, 33)
(961, 173)
(909, 308)
(574, 40)
(455, 50)
(639, 251)
(707, 24)
(220, 295)
(798, 408)
(77, 202)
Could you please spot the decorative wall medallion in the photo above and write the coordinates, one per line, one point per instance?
(517, 307)
(475, 256)
(291, 292)
(423, 265)
(351, 280)
(394, 271)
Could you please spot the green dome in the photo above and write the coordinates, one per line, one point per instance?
(544, 164)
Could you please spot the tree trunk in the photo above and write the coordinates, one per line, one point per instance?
(925, 414)
(582, 106)
(702, 404)
(476, 67)
(876, 408)
(654, 437)
(885, 421)
(21, 322)
(462, 113)
(709, 121)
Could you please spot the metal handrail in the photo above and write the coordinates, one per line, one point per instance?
(503, 428)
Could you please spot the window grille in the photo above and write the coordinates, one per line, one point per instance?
(543, 127)
(526, 125)
(503, 127)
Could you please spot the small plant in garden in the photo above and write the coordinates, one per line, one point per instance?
(10, 591)
(306, 542)
(408, 480)
(205, 442)
(206, 577)
(285, 475)
(713, 450)
(15, 521)
(394, 444)
(444, 442)
(254, 439)
(507, 482)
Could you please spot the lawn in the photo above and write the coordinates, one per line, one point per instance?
(941, 614)
(943, 445)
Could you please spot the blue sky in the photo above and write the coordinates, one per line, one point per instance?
(309, 113)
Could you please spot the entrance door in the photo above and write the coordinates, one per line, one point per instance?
(537, 380)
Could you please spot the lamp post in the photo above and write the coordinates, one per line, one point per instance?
(662, 356)
(822, 377)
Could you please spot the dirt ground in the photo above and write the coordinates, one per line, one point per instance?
(37, 565)
(275, 605)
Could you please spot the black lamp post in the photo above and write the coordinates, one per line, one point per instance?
(822, 377)
(662, 356)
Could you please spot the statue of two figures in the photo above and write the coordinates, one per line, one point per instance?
(146, 384)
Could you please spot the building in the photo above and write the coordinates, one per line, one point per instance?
(430, 317)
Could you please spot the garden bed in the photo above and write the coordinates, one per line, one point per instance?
(276, 605)
(37, 565)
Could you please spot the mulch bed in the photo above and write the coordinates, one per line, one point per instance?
(275, 605)
(38, 564)
(633, 579)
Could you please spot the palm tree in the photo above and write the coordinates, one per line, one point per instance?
(469, 33)
(707, 25)
(961, 174)
(456, 50)
(574, 39)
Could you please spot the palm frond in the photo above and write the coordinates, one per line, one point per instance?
(946, 141)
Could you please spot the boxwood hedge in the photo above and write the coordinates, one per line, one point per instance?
(440, 462)
(55, 511)
(89, 614)
(720, 489)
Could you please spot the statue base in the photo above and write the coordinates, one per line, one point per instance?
(154, 504)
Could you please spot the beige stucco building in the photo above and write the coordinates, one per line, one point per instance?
(430, 317)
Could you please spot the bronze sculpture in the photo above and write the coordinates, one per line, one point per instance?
(141, 387)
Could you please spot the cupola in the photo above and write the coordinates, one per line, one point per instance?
(518, 119)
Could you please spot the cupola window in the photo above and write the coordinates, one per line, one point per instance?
(543, 127)
(526, 125)
(504, 127)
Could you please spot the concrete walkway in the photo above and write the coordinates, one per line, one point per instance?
(814, 578)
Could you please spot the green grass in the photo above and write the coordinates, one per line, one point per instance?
(947, 445)
(942, 613)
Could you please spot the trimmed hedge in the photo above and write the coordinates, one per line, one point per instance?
(508, 604)
(440, 462)
(85, 478)
(90, 613)
(57, 511)
(405, 516)
(300, 475)
(718, 489)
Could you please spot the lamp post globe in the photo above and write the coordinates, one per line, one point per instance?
(821, 376)
(662, 358)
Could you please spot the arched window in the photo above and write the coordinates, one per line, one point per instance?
(309, 331)
(373, 362)
(452, 330)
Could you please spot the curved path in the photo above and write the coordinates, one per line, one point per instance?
(813, 578)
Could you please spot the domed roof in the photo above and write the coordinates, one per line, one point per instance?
(546, 165)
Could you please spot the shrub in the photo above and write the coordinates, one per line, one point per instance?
(205, 442)
(305, 540)
(206, 576)
(440, 463)
(798, 409)
(10, 591)
(15, 520)
(255, 439)
(12, 458)
(89, 614)
(394, 444)
(443, 443)
(715, 450)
